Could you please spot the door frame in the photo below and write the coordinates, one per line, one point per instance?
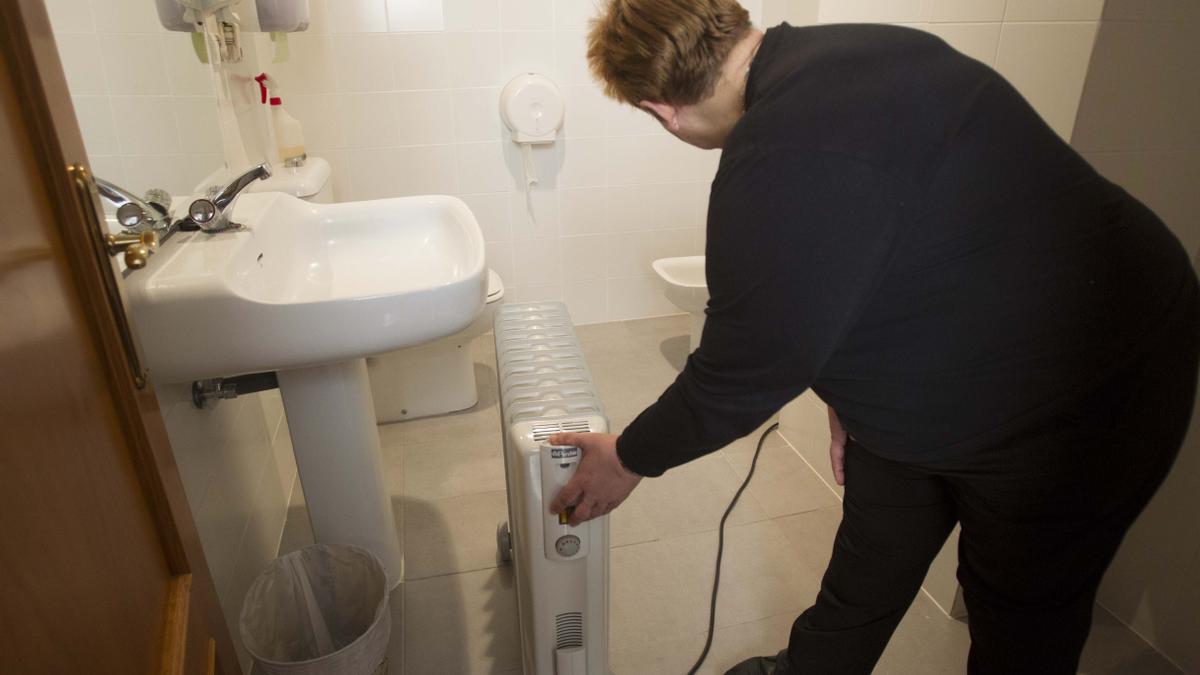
(28, 46)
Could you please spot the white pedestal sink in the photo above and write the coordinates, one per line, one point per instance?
(309, 290)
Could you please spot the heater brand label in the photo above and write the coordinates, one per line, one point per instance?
(564, 453)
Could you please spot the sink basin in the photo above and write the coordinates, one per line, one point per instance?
(307, 284)
(308, 290)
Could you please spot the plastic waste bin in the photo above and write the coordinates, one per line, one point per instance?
(322, 609)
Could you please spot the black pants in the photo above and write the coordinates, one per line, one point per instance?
(1042, 515)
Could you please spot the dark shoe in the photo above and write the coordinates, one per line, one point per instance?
(762, 665)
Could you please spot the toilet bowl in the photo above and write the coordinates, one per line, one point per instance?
(686, 287)
(434, 378)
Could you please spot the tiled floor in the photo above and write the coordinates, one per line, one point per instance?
(456, 611)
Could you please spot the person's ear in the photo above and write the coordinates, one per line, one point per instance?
(665, 112)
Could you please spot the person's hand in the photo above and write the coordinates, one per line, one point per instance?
(600, 483)
(837, 447)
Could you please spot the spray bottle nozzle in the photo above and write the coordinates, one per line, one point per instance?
(264, 83)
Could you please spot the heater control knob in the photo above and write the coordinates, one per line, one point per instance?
(567, 545)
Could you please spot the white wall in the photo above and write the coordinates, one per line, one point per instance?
(147, 110)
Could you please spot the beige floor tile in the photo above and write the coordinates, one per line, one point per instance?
(674, 655)
(461, 624)
(734, 644)
(674, 324)
(783, 484)
(690, 498)
(439, 470)
(451, 535)
(661, 590)
(811, 535)
(927, 642)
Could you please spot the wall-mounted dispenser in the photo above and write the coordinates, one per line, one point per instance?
(532, 107)
(266, 16)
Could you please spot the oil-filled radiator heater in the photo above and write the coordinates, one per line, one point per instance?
(561, 571)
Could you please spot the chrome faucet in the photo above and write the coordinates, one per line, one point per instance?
(137, 215)
(213, 214)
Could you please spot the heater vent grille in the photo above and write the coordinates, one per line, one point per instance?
(544, 430)
(569, 630)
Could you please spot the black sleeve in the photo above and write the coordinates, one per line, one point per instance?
(797, 241)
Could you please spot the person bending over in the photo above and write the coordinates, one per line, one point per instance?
(1004, 339)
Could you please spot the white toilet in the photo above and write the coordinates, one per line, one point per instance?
(434, 378)
(686, 287)
(430, 379)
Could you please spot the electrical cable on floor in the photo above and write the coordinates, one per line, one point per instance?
(712, 609)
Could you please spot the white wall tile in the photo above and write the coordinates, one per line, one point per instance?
(875, 11)
(500, 260)
(475, 59)
(755, 8)
(657, 207)
(358, 16)
(543, 222)
(477, 114)
(585, 258)
(126, 16)
(571, 55)
(361, 62)
(585, 111)
(795, 12)
(370, 120)
(426, 170)
(626, 120)
(637, 297)
(70, 16)
(81, 64)
(472, 14)
(420, 61)
(196, 116)
(1048, 63)
(145, 124)
(575, 14)
(537, 262)
(631, 253)
(321, 116)
(583, 162)
(527, 14)
(585, 210)
(108, 167)
(425, 117)
(587, 301)
(96, 124)
(135, 64)
(414, 15)
(311, 67)
(539, 293)
(979, 41)
(188, 76)
(527, 52)
(492, 214)
(378, 173)
(482, 168)
(1054, 10)
(960, 11)
(658, 159)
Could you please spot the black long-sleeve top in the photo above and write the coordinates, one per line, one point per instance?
(892, 225)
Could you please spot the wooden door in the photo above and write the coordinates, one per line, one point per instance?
(101, 569)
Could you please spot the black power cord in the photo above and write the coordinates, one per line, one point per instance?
(712, 608)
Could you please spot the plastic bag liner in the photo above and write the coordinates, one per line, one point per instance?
(322, 609)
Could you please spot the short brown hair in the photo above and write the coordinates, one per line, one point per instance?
(667, 51)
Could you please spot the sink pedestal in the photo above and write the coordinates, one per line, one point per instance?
(332, 422)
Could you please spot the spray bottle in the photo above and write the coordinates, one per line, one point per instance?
(289, 135)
